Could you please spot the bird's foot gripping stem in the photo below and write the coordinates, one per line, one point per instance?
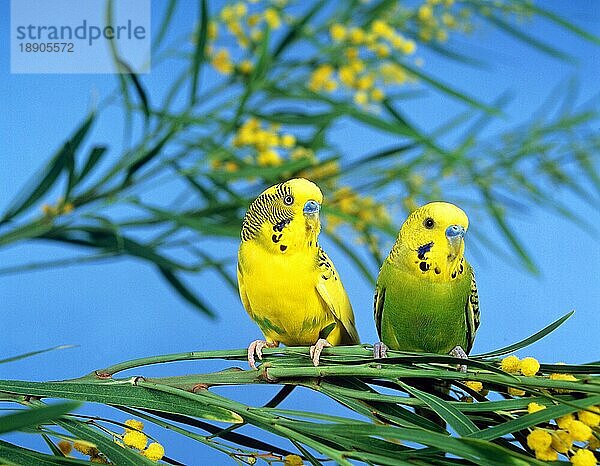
(380, 350)
(317, 348)
(256, 347)
(458, 352)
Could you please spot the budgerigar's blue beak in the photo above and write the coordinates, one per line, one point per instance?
(311, 208)
(455, 235)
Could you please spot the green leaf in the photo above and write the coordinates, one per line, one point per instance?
(14, 455)
(61, 161)
(446, 89)
(295, 30)
(199, 52)
(95, 156)
(528, 39)
(35, 416)
(33, 353)
(185, 292)
(455, 419)
(142, 160)
(124, 393)
(527, 341)
(164, 25)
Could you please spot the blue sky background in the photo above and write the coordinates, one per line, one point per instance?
(121, 310)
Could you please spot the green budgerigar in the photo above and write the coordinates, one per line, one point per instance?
(426, 297)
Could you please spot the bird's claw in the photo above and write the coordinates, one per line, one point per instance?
(317, 348)
(380, 350)
(256, 347)
(458, 352)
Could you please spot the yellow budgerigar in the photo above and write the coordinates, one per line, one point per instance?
(288, 285)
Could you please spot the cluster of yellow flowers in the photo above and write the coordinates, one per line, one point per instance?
(83, 447)
(133, 437)
(247, 29)
(360, 47)
(436, 19)
(60, 208)
(549, 443)
(365, 209)
(269, 144)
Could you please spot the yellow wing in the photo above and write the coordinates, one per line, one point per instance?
(242, 290)
(334, 295)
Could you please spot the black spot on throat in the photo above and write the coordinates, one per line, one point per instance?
(424, 266)
(425, 248)
(283, 247)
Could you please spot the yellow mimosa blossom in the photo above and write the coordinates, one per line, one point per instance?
(288, 141)
(547, 454)
(510, 364)
(135, 439)
(365, 82)
(246, 66)
(377, 94)
(441, 35)
(589, 418)
(154, 452)
(222, 62)
(272, 18)
(425, 13)
(357, 36)
(256, 34)
(561, 441)
(98, 459)
(583, 458)
(534, 407)
(361, 98)
(529, 367)
(539, 440)
(213, 30)
(269, 158)
(352, 53)
(293, 460)
(320, 77)
(85, 448)
(579, 431)
(347, 75)
(382, 29)
(565, 421)
(382, 51)
(474, 385)
(515, 391)
(65, 447)
(337, 32)
(134, 424)
(449, 20)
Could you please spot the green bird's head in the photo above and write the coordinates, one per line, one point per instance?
(432, 241)
(285, 217)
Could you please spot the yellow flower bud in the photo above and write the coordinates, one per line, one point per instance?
(588, 418)
(529, 367)
(134, 424)
(154, 452)
(337, 32)
(474, 385)
(135, 439)
(510, 364)
(579, 431)
(583, 458)
(539, 440)
(534, 408)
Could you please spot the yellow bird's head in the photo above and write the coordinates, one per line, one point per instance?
(432, 240)
(285, 217)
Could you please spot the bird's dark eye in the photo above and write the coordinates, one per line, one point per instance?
(288, 200)
(428, 223)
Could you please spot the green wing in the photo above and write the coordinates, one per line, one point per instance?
(472, 314)
(330, 288)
